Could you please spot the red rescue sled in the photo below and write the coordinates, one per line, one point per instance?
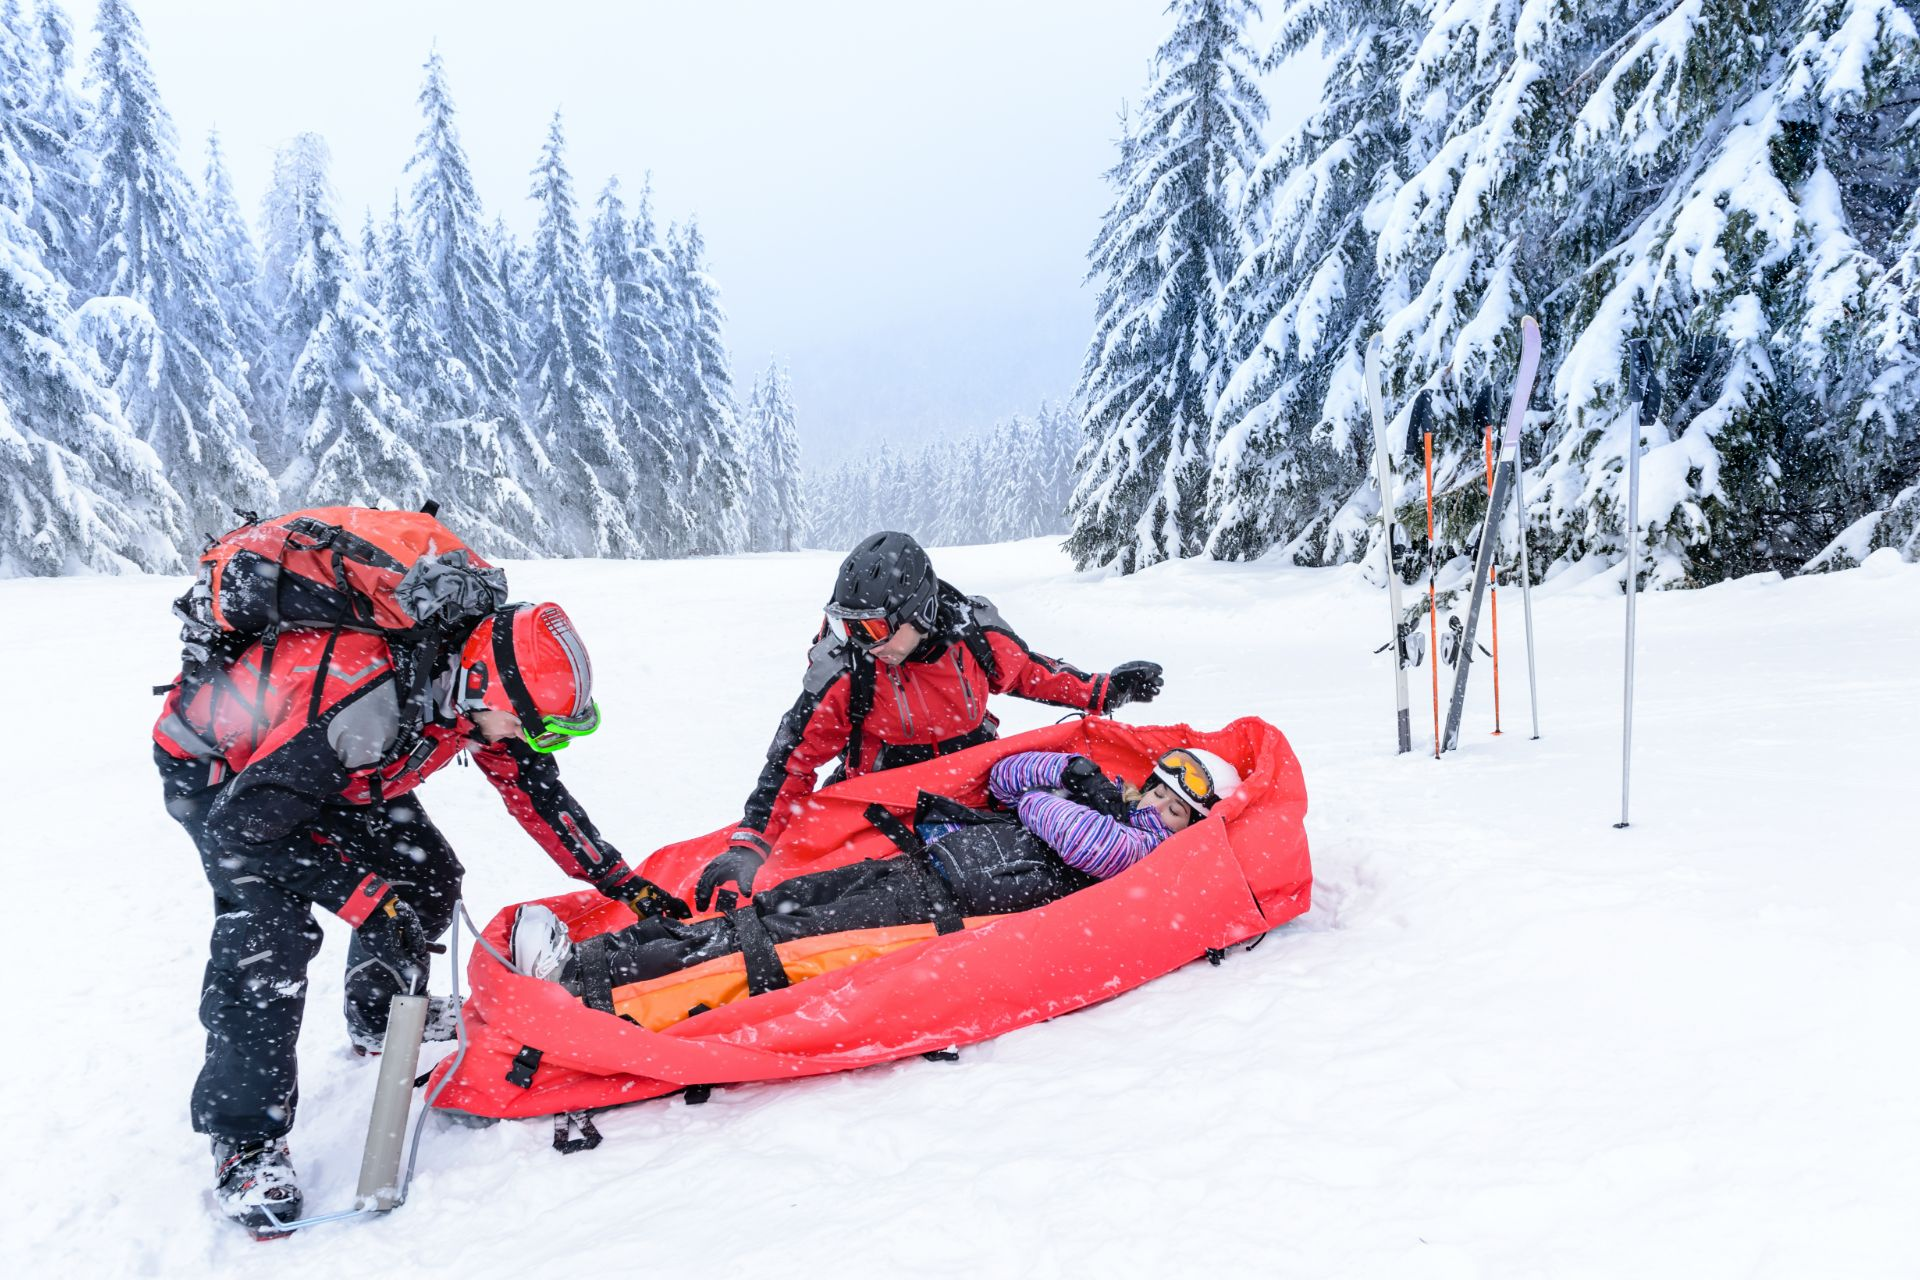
(535, 1050)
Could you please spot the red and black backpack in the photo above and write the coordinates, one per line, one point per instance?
(399, 574)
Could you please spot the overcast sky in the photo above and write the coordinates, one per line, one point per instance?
(897, 198)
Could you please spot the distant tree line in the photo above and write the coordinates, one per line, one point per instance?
(1008, 481)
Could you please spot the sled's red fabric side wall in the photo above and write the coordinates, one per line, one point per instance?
(1221, 881)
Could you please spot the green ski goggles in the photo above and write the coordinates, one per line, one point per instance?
(557, 731)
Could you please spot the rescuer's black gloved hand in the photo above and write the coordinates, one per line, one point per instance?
(1132, 682)
(648, 899)
(746, 850)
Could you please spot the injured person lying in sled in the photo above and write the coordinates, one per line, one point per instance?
(1062, 826)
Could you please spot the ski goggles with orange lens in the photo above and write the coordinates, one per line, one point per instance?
(865, 630)
(557, 731)
(1182, 771)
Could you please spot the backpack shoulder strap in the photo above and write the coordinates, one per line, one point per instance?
(859, 704)
(972, 616)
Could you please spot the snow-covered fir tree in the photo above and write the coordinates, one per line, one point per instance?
(461, 261)
(510, 268)
(774, 452)
(1736, 238)
(1304, 300)
(36, 64)
(78, 491)
(373, 263)
(712, 459)
(483, 471)
(299, 169)
(236, 272)
(155, 321)
(1886, 454)
(626, 273)
(1165, 252)
(569, 373)
(425, 374)
(352, 427)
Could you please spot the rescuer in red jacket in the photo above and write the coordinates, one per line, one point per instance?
(900, 674)
(293, 769)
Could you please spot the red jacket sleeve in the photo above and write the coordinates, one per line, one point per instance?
(814, 730)
(1026, 674)
(530, 784)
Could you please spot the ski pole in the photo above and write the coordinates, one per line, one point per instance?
(1483, 562)
(1398, 643)
(1423, 423)
(1493, 583)
(1643, 395)
(1526, 588)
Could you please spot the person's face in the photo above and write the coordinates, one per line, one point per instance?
(1174, 811)
(902, 642)
(493, 726)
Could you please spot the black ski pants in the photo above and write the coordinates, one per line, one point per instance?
(255, 989)
(988, 869)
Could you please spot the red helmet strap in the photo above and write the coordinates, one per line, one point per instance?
(508, 668)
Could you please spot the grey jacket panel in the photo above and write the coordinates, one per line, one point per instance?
(363, 732)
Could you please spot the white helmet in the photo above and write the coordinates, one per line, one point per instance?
(1200, 778)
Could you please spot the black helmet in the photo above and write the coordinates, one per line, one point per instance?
(886, 580)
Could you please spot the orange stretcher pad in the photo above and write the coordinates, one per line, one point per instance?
(876, 995)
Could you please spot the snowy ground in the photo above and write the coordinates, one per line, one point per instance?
(1509, 1040)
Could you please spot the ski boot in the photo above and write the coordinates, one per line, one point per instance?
(443, 1023)
(538, 944)
(253, 1183)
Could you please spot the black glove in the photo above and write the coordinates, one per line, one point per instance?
(648, 899)
(1132, 682)
(1085, 784)
(392, 937)
(746, 850)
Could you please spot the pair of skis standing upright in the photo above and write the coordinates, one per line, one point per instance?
(1505, 480)
(1644, 393)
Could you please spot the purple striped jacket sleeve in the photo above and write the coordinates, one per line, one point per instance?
(1093, 842)
(1023, 771)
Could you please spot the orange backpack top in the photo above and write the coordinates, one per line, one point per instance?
(402, 574)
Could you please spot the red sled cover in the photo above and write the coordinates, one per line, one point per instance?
(1224, 880)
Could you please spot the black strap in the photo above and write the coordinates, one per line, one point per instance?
(563, 1126)
(982, 650)
(887, 824)
(942, 910)
(764, 971)
(320, 676)
(267, 649)
(596, 977)
(508, 670)
(895, 754)
(859, 704)
(525, 1063)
